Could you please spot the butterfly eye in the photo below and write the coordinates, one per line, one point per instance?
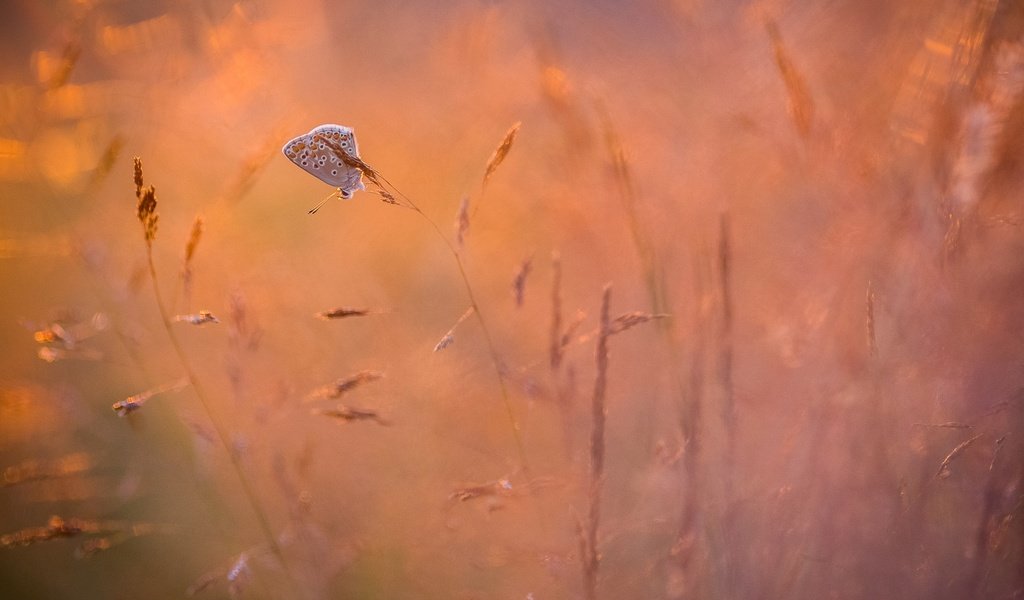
(334, 171)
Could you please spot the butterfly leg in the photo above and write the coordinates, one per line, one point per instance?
(324, 201)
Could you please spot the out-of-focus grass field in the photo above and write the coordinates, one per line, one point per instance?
(820, 203)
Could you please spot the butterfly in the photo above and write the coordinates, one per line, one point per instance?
(316, 153)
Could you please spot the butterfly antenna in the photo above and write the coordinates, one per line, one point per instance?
(313, 210)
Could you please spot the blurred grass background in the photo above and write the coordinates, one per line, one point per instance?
(854, 165)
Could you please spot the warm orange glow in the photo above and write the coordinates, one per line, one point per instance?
(673, 300)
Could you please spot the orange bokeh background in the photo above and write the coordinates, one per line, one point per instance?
(819, 202)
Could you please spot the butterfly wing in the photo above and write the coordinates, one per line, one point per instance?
(313, 155)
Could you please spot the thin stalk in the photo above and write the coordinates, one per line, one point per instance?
(592, 558)
(380, 181)
(725, 366)
(222, 433)
(486, 330)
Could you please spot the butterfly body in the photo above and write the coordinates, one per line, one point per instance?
(315, 153)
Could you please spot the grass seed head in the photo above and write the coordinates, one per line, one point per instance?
(138, 176)
(146, 208)
(462, 221)
(499, 154)
(519, 281)
(193, 240)
(632, 319)
(343, 312)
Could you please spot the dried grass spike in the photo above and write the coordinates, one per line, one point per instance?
(238, 575)
(869, 320)
(200, 318)
(193, 239)
(36, 470)
(146, 208)
(349, 414)
(186, 264)
(352, 161)
(125, 407)
(55, 528)
(244, 331)
(801, 106)
(137, 163)
(343, 312)
(946, 425)
(347, 384)
(995, 452)
(444, 342)
(462, 221)
(599, 412)
(519, 280)
(68, 60)
(449, 338)
(501, 487)
(632, 319)
(944, 470)
(499, 154)
(107, 161)
(555, 349)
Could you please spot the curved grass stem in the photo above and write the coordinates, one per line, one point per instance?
(222, 433)
(491, 348)
(380, 182)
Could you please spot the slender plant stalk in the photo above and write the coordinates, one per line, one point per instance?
(591, 559)
(555, 352)
(495, 359)
(627, 192)
(222, 433)
(563, 384)
(687, 543)
(801, 105)
(380, 182)
(149, 219)
(725, 366)
(690, 395)
(869, 320)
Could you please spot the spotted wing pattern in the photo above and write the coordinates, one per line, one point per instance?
(313, 155)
